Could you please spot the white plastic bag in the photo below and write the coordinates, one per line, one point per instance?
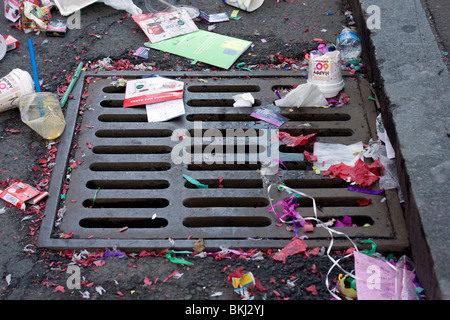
(305, 95)
(126, 5)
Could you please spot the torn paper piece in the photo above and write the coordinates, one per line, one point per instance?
(329, 154)
(164, 111)
(361, 174)
(243, 100)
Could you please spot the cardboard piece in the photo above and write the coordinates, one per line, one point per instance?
(19, 194)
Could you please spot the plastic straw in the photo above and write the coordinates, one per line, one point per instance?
(34, 66)
(71, 84)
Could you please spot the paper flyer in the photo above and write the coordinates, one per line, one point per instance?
(208, 47)
(164, 25)
(152, 90)
(163, 111)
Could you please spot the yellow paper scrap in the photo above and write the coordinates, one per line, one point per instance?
(234, 14)
(316, 170)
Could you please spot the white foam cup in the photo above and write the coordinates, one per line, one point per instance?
(14, 85)
(325, 72)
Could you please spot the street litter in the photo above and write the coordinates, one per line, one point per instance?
(165, 25)
(11, 43)
(296, 246)
(304, 95)
(126, 5)
(56, 29)
(67, 7)
(246, 5)
(170, 255)
(349, 44)
(378, 151)
(13, 86)
(293, 141)
(244, 283)
(33, 17)
(325, 72)
(41, 111)
(142, 52)
(270, 116)
(164, 111)
(243, 100)
(393, 282)
(12, 9)
(72, 83)
(162, 97)
(20, 194)
(152, 90)
(329, 154)
(3, 47)
(204, 46)
(360, 173)
(214, 17)
(195, 182)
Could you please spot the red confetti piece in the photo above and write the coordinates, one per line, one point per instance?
(312, 289)
(59, 289)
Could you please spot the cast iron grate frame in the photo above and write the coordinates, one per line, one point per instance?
(351, 123)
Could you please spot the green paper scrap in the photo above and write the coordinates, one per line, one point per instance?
(178, 260)
(208, 47)
(195, 182)
(372, 98)
(371, 251)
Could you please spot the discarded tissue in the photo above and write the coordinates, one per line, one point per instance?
(305, 95)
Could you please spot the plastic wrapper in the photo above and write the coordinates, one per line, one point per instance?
(376, 150)
(406, 289)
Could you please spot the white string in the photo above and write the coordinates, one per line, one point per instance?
(331, 232)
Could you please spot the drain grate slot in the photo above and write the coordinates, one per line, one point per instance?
(225, 202)
(124, 133)
(228, 88)
(127, 184)
(125, 203)
(208, 222)
(228, 183)
(130, 166)
(110, 223)
(130, 189)
(131, 149)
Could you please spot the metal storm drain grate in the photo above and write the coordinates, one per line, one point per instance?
(129, 192)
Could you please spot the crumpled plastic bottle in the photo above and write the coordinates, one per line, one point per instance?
(349, 44)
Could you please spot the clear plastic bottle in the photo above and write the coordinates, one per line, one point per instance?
(349, 44)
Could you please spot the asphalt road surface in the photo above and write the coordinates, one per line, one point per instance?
(277, 29)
